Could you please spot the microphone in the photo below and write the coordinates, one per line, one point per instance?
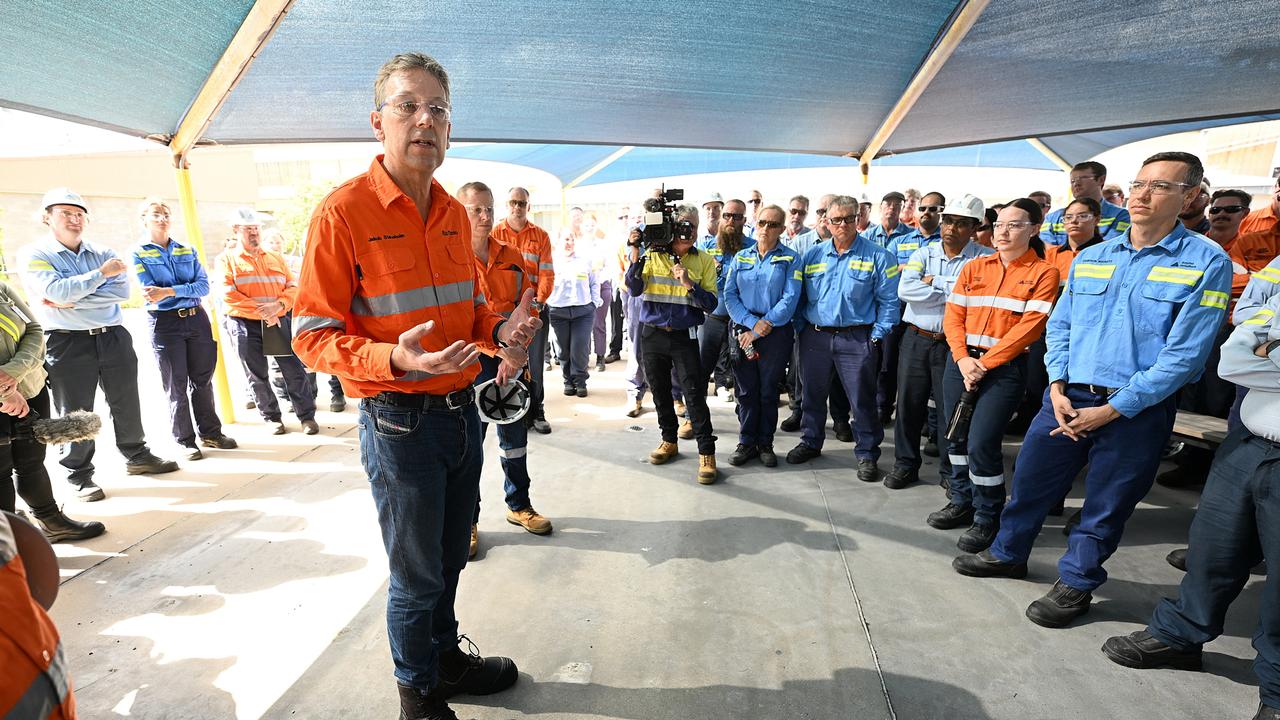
(75, 426)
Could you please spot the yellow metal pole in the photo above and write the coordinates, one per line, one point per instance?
(188, 199)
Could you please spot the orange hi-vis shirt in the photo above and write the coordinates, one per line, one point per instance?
(373, 270)
(1061, 257)
(33, 671)
(1264, 218)
(534, 245)
(503, 280)
(1000, 309)
(1251, 252)
(250, 278)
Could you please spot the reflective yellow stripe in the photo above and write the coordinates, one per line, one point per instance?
(891, 271)
(915, 265)
(148, 253)
(1270, 274)
(140, 267)
(798, 276)
(39, 265)
(183, 251)
(746, 260)
(1180, 276)
(1213, 298)
(1089, 270)
(857, 264)
(1261, 318)
(815, 268)
(10, 327)
(782, 258)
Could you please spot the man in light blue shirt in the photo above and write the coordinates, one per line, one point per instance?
(76, 289)
(927, 279)
(850, 303)
(890, 226)
(1136, 322)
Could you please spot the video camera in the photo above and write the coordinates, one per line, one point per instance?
(661, 228)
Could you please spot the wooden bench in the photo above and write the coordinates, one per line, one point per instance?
(1203, 430)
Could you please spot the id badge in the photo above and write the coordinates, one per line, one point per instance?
(693, 332)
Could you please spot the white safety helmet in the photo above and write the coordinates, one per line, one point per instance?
(966, 206)
(63, 196)
(502, 404)
(245, 216)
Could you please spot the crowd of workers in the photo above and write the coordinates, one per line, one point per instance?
(1083, 328)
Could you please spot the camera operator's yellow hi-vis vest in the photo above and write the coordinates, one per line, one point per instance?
(660, 284)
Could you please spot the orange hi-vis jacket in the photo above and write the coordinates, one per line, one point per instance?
(249, 278)
(1250, 253)
(503, 280)
(1061, 257)
(373, 270)
(1000, 309)
(33, 671)
(534, 245)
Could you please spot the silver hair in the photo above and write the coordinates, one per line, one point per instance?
(686, 211)
(843, 201)
(407, 61)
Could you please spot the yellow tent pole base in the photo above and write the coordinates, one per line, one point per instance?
(222, 388)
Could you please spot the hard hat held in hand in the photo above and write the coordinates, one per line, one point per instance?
(502, 404)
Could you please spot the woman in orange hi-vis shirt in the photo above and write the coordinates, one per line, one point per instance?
(999, 307)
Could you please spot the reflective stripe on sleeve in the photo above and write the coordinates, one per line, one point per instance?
(305, 323)
(1262, 317)
(1214, 298)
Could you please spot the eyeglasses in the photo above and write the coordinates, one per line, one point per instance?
(732, 217)
(768, 224)
(842, 219)
(755, 201)
(797, 211)
(521, 203)
(411, 109)
(1225, 209)
(158, 216)
(820, 212)
(929, 208)
(1077, 217)
(70, 214)
(479, 209)
(1081, 178)
(1045, 205)
(998, 226)
(958, 220)
(1157, 187)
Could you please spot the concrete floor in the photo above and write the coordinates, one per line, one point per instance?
(252, 585)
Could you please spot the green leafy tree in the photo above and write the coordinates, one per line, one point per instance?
(295, 215)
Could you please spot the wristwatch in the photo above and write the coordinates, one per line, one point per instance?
(1272, 346)
(537, 305)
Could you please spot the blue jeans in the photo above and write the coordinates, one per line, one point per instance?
(572, 326)
(756, 383)
(857, 363)
(977, 462)
(1238, 524)
(1122, 456)
(513, 440)
(424, 471)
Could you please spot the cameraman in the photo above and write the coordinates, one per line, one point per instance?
(676, 285)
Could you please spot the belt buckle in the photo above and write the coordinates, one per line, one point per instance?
(186, 312)
(96, 331)
(465, 398)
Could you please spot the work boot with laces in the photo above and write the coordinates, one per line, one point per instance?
(707, 472)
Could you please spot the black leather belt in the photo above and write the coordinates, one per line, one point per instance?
(90, 331)
(837, 330)
(977, 352)
(456, 400)
(1098, 390)
(931, 335)
(666, 328)
(180, 312)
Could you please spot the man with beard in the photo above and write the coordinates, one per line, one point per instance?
(713, 335)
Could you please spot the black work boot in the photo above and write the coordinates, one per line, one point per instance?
(901, 477)
(792, 422)
(467, 673)
(58, 527)
(950, 517)
(417, 705)
(1178, 559)
(743, 454)
(984, 564)
(978, 537)
(1059, 606)
(1266, 712)
(1144, 651)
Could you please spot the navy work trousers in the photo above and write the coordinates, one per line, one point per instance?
(187, 356)
(756, 385)
(572, 326)
(856, 361)
(513, 442)
(1122, 456)
(920, 364)
(246, 336)
(977, 461)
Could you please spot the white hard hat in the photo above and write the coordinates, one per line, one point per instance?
(713, 198)
(245, 216)
(63, 196)
(966, 206)
(502, 404)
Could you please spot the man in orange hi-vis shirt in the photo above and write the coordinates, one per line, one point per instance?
(390, 303)
(517, 231)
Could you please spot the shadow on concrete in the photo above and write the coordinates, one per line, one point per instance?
(139, 684)
(834, 698)
(712, 540)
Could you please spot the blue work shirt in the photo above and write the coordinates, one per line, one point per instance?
(876, 234)
(904, 247)
(711, 247)
(764, 287)
(176, 266)
(1113, 223)
(1142, 321)
(52, 272)
(927, 302)
(856, 287)
(1263, 285)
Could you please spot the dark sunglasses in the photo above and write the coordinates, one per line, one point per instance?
(768, 224)
(518, 203)
(1225, 209)
(755, 201)
(798, 211)
(929, 208)
(842, 220)
(732, 217)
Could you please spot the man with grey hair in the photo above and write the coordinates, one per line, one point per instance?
(797, 211)
(390, 303)
(676, 286)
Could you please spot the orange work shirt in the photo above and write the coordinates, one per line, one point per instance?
(534, 245)
(249, 278)
(1250, 252)
(1061, 257)
(503, 280)
(1264, 218)
(373, 270)
(33, 671)
(1000, 309)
